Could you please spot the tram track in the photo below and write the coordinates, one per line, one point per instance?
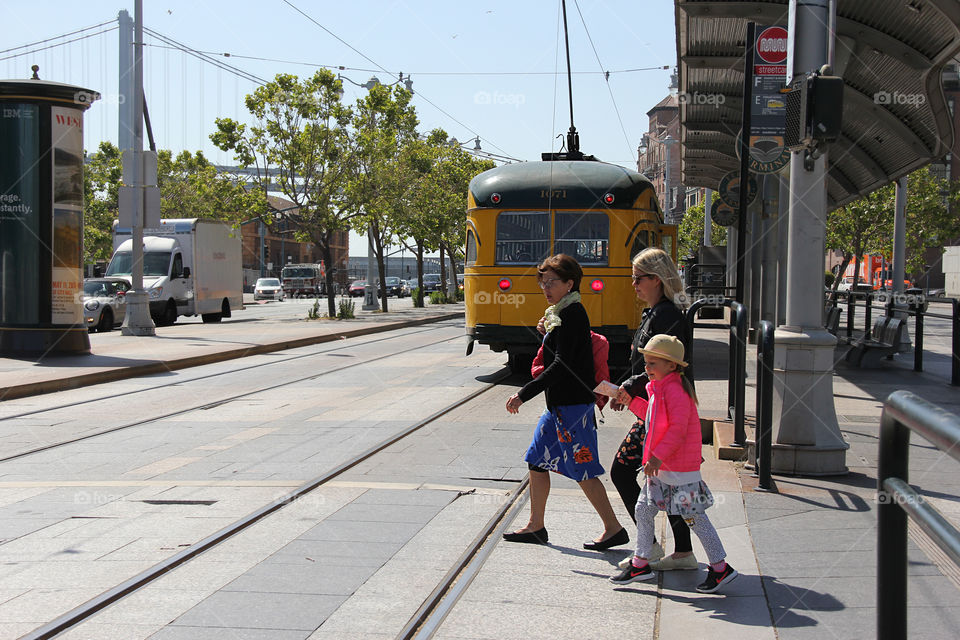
(332, 352)
(213, 403)
(117, 593)
(427, 620)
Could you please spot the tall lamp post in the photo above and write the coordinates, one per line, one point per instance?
(370, 289)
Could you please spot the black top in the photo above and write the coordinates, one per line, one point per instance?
(567, 376)
(663, 317)
(561, 185)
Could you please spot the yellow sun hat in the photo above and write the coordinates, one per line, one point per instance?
(666, 347)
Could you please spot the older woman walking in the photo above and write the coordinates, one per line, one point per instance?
(565, 439)
(657, 283)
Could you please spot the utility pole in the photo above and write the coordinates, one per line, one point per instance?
(807, 438)
(137, 321)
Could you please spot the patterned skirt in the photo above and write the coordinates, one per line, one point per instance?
(684, 500)
(565, 441)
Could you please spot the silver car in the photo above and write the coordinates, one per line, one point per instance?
(104, 302)
(268, 289)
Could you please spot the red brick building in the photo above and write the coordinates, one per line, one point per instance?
(280, 247)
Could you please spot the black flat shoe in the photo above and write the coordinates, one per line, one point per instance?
(533, 537)
(617, 539)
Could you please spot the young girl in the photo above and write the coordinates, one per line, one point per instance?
(671, 463)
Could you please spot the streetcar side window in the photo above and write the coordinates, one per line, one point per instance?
(471, 257)
(584, 236)
(523, 238)
(667, 242)
(640, 242)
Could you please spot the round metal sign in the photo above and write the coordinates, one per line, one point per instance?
(729, 189)
(722, 214)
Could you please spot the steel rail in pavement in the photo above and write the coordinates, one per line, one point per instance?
(107, 598)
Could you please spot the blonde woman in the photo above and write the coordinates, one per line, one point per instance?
(656, 283)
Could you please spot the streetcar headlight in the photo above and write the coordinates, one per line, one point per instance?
(597, 285)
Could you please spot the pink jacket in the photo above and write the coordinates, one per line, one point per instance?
(673, 433)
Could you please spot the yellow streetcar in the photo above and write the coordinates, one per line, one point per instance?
(519, 214)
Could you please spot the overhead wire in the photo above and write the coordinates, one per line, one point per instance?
(606, 76)
(340, 67)
(205, 58)
(384, 70)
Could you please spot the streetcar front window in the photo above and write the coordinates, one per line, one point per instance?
(584, 236)
(523, 238)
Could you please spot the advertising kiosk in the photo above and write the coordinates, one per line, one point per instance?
(41, 217)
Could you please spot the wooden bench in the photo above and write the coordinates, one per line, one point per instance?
(884, 341)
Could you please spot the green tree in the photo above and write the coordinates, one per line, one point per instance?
(102, 176)
(301, 143)
(191, 187)
(931, 218)
(859, 227)
(383, 122)
(690, 232)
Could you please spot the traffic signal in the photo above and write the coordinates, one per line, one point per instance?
(814, 110)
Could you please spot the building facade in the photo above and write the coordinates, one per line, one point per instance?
(659, 157)
(267, 248)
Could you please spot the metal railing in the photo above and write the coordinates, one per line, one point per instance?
(736, 380)
(909, 305)
(904, 412)
(764, 431)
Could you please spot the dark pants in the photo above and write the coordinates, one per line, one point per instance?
(623, 473)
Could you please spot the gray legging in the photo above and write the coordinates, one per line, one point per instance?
(700, 524)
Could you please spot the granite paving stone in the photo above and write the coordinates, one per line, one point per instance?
(260, 610)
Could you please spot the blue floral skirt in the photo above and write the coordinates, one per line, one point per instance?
(565, 441)
(683, 500)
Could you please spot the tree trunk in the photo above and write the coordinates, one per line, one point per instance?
(443, 273)
(453, 269)
(328, 273)
(419, 300)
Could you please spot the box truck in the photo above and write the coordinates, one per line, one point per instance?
(191, 266)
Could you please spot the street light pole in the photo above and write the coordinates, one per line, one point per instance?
(137, 321)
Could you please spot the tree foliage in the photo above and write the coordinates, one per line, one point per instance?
(299, 145)
(690, 232)
(190, 187)
(865, 226)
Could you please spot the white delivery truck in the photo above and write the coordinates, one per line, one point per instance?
(191, 266)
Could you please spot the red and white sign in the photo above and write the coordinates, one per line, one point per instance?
(772, 45)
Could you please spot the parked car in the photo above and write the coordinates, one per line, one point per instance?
(356, 288)
(431, 282)
(268, 289)
(104, 302)
(394, 287)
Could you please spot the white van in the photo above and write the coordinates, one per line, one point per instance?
(191, 266)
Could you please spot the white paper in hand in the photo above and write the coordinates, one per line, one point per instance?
(607, 388)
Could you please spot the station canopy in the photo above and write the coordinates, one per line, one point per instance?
(895, 49)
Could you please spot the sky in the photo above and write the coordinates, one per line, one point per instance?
(487, 69)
